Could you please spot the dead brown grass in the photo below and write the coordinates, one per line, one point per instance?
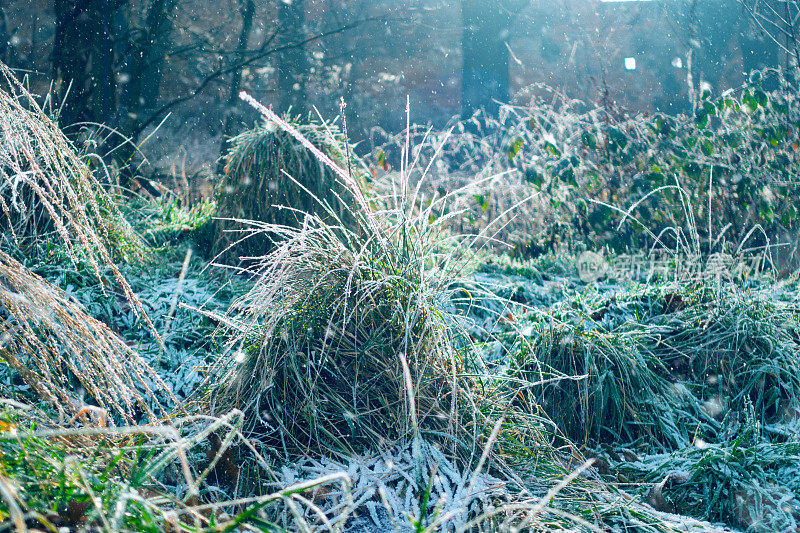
(54, 345)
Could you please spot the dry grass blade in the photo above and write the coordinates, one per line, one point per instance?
(53, 345)
(10, 498)
(46, 187)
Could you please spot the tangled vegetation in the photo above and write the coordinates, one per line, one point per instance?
(687, 358)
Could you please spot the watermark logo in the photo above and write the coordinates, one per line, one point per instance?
(664, 265)
(592, 267)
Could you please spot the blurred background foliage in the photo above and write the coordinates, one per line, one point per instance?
(131, 64)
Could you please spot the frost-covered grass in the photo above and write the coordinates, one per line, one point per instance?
(385, 374)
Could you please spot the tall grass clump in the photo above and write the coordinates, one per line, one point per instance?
(50, 196)
(272, 178)
(746, 480)
(612, 388)
(734, 347)
(662, 362)
(45, 186)
(347, 339)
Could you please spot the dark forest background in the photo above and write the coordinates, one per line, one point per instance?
(176, 66)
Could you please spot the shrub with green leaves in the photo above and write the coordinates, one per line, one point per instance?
(684, 180)
(604, 178)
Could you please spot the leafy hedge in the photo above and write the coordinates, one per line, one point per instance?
(712, 177)
(562, 173)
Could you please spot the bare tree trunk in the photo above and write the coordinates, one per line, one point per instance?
(293, 62)
(141, 76)
(248, 11)
(105, 103)
(83, 60)
(5, 38)
(73, 53)
(485, 68)
(143, 69)
(159, 27)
